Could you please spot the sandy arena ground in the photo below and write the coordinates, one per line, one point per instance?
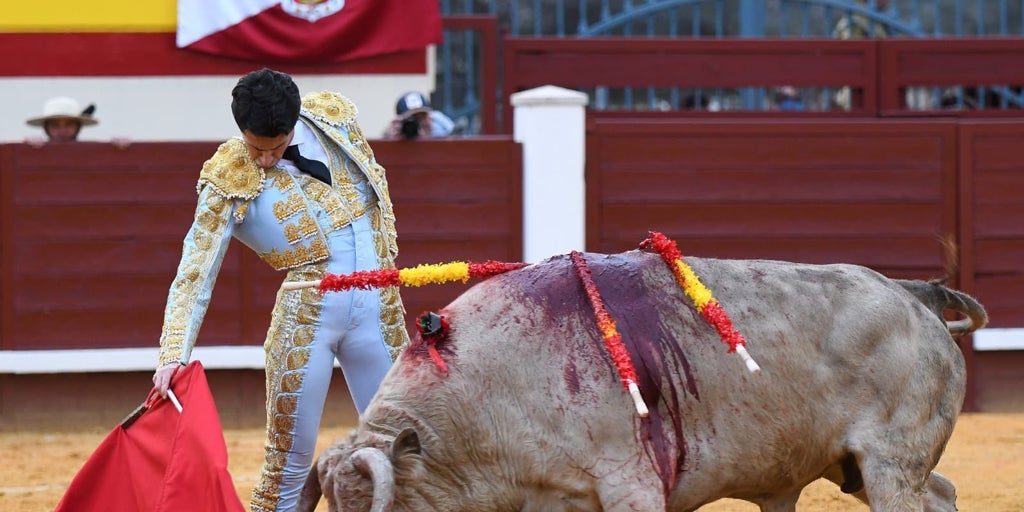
(985, 459)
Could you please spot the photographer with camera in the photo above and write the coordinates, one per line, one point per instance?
(416, 119)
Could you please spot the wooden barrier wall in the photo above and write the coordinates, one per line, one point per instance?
(87, 249)
(696, 63)
(90, 236)
(878, 72)
(877, 194)
(820, 189)
(881, 193)
(991, 196)
(987, 62)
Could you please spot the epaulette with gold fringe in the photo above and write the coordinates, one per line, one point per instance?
(232, 173)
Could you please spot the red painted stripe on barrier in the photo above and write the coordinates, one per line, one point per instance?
(155, 54)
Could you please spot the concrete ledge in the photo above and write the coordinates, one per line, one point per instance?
(999, 338)
(252, 357)
(123, 359)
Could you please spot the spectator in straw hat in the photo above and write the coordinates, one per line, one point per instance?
(62, 119)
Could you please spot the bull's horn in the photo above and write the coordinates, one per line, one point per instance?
(311, 491)
(373, 463)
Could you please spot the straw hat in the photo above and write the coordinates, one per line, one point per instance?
(62, 106)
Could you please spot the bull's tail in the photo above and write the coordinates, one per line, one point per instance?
(938, 298)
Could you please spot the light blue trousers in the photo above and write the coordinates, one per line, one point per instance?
(308, 333)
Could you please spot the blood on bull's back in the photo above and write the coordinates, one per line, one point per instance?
(860, 383)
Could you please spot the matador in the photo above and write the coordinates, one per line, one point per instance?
(301, 188)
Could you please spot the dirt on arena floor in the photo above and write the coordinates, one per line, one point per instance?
(985, 459)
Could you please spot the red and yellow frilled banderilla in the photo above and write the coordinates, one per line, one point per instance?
(415, 276)
(610, 333)
(701, 296)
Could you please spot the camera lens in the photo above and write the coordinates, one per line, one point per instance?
(410, 127)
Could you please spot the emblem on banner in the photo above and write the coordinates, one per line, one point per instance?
(312, 10)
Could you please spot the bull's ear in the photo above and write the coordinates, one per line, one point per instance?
(406, 442)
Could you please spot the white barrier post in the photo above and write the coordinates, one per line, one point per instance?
(550, 122)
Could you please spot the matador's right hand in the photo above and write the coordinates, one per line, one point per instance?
(162, 377)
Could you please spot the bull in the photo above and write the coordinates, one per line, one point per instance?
(861, 383)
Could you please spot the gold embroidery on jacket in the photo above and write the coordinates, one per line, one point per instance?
(358, 149)
(355, 136)
(299, 255)
(292, 205)
(284, 183)
(345, 202)
(319, 249)
(308, 226)
(292, 233)
(240, 212)
(211, 219)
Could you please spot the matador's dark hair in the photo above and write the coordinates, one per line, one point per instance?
(266, 102)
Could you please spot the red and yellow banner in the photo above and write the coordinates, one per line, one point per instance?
(95, 16)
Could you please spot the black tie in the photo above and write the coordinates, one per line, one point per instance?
(314, 168)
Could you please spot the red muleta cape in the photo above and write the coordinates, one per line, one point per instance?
(158, 459)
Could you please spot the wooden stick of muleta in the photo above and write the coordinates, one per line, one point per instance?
(299, 285)
(174, 400)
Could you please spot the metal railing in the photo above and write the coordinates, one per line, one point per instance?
(460, 67)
